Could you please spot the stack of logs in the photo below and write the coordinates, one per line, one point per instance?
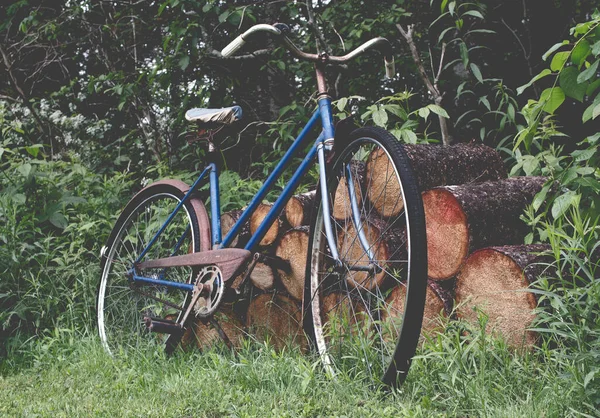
(477, 263)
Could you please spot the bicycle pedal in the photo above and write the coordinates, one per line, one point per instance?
(162, 326)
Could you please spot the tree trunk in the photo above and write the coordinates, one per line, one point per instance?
(433, 166)
(494, 281)
(277, 318)
(293, 247)
(298, 209)
(461, 219)
(256, 219)
(228, 219)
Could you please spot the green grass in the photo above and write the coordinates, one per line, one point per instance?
(453, 376)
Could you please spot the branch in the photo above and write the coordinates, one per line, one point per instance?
(321, 43)
(24, 97)
(407, 34)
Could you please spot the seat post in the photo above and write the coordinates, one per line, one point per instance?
(322, 90)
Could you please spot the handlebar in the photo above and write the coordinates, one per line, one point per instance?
(380, 43)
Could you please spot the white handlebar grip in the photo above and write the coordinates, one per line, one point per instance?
(233, 46)
(390, 68)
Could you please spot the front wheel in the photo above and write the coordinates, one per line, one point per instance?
(121, 304)
(364, 314)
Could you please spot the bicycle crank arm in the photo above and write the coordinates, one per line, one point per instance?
(162, 326)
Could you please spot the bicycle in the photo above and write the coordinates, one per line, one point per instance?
(166, 260)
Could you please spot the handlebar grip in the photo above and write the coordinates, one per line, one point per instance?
(390, 67)
(233, 46)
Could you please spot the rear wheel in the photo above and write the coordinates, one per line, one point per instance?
(122, 305)
(355, 322)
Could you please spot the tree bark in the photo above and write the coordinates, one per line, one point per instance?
(494, 281)
(461, 219)
(299, 208)
(436, 165)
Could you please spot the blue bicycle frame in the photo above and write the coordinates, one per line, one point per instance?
(323, 144)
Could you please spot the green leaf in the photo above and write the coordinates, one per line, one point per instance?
(473, 13)
(341, 104)
(596, 48)
(486, 102)
(476, 72)
(552, 99)
(1, 151)
(58, 220)
(584, 155)
(559, 60)
(596, 111)
(553, 48)
(592, 87)
(443, 6)
(380, 117)
(589, 112)
(589, 73)
(19, 198)
(451, 7)
(568, 82)
(540, 197)
(563, 202)
(409, 136)
(438, 110)
(33, 150)
(543, 74)
(184, 62)
(464, 54)
(25, 169)
(580, 52)
(424, 112)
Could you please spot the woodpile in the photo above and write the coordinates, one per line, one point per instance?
(476, 263)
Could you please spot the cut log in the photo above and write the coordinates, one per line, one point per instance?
(461, 219)
(256, 219)
(263, 276)
(207, 335)
(293, 248)
(494, 281)
(341, 200)
(298, 209)
(391, 247)
(342, 315)
(436, 165)
(228, 219)
(433, 166)
(277, 318)
(436, 302)
(382, 185)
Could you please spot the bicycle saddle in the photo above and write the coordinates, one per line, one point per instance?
(224, 116)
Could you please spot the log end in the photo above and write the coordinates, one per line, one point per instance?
(382, 185)
(276, 318)
(447, 233)
(493, 284)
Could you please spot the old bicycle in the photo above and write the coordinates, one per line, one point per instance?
(167, 262)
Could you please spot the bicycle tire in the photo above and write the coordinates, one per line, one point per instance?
(350, 317)
(119, 307)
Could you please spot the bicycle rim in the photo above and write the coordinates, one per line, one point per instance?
(121, 306)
